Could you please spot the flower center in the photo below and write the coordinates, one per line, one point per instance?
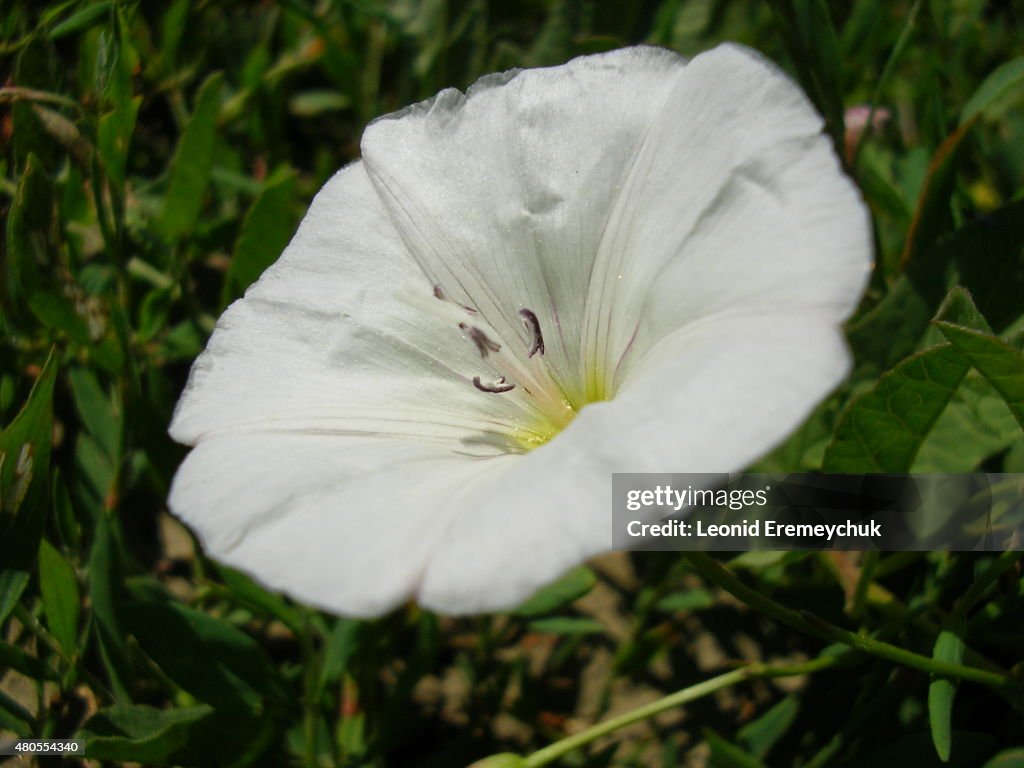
(520, 376)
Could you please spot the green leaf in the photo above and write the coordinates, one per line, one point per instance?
(190, 168)
(138, 733)
(949, 647)
(96, 411)
(15, 717)
(996, 360)
(254, 596)
(760, 735)
(113, 138)
(567, 625)
(1006, 80)
(12, 584)
(80, 20)
(883, 429)
(215, 662)
(687, 600)
(267, 228)
(1010, 758)
(725, 754)
(975, 426)
(59, 588)
(340, 647)
(932, 213)
(28, 233)
(986, 256)
(822, 49)
(172, 29)
(12, 657)
(576, 583)
(103, 576)
(24, 473)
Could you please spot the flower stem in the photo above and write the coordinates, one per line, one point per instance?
(562, 747)
(807, 622)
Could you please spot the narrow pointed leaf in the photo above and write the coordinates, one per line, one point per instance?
(24, 473)
(949, 648)
(1004, 82)
(60, 597)
(190, 168)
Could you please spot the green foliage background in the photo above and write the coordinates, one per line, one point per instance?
(157, 157)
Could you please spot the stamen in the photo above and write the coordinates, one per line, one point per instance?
(483, 343)
(498, 387)
(440, 294)
(536, 339)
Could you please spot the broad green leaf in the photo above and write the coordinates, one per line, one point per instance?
(215, 662)
(975, 426)
(1006, 81)
(267, 228)
(576, 583)
(996, 360)
(138, 733)
(567, 625)
(24, 473)
(949, 648)
(59, 588)
(1010, 758)
(190, 168)
(12, 584)
(883, 429)
(760, 735)
(986, 256)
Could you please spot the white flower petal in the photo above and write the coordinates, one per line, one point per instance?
(734, 158)
(503, 194)
(710, 398)
(343, 335)
(342, 523)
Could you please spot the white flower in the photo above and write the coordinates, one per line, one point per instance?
(626, 263)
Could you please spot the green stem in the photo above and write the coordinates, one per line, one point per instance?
(564, 746)
(813, 625)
